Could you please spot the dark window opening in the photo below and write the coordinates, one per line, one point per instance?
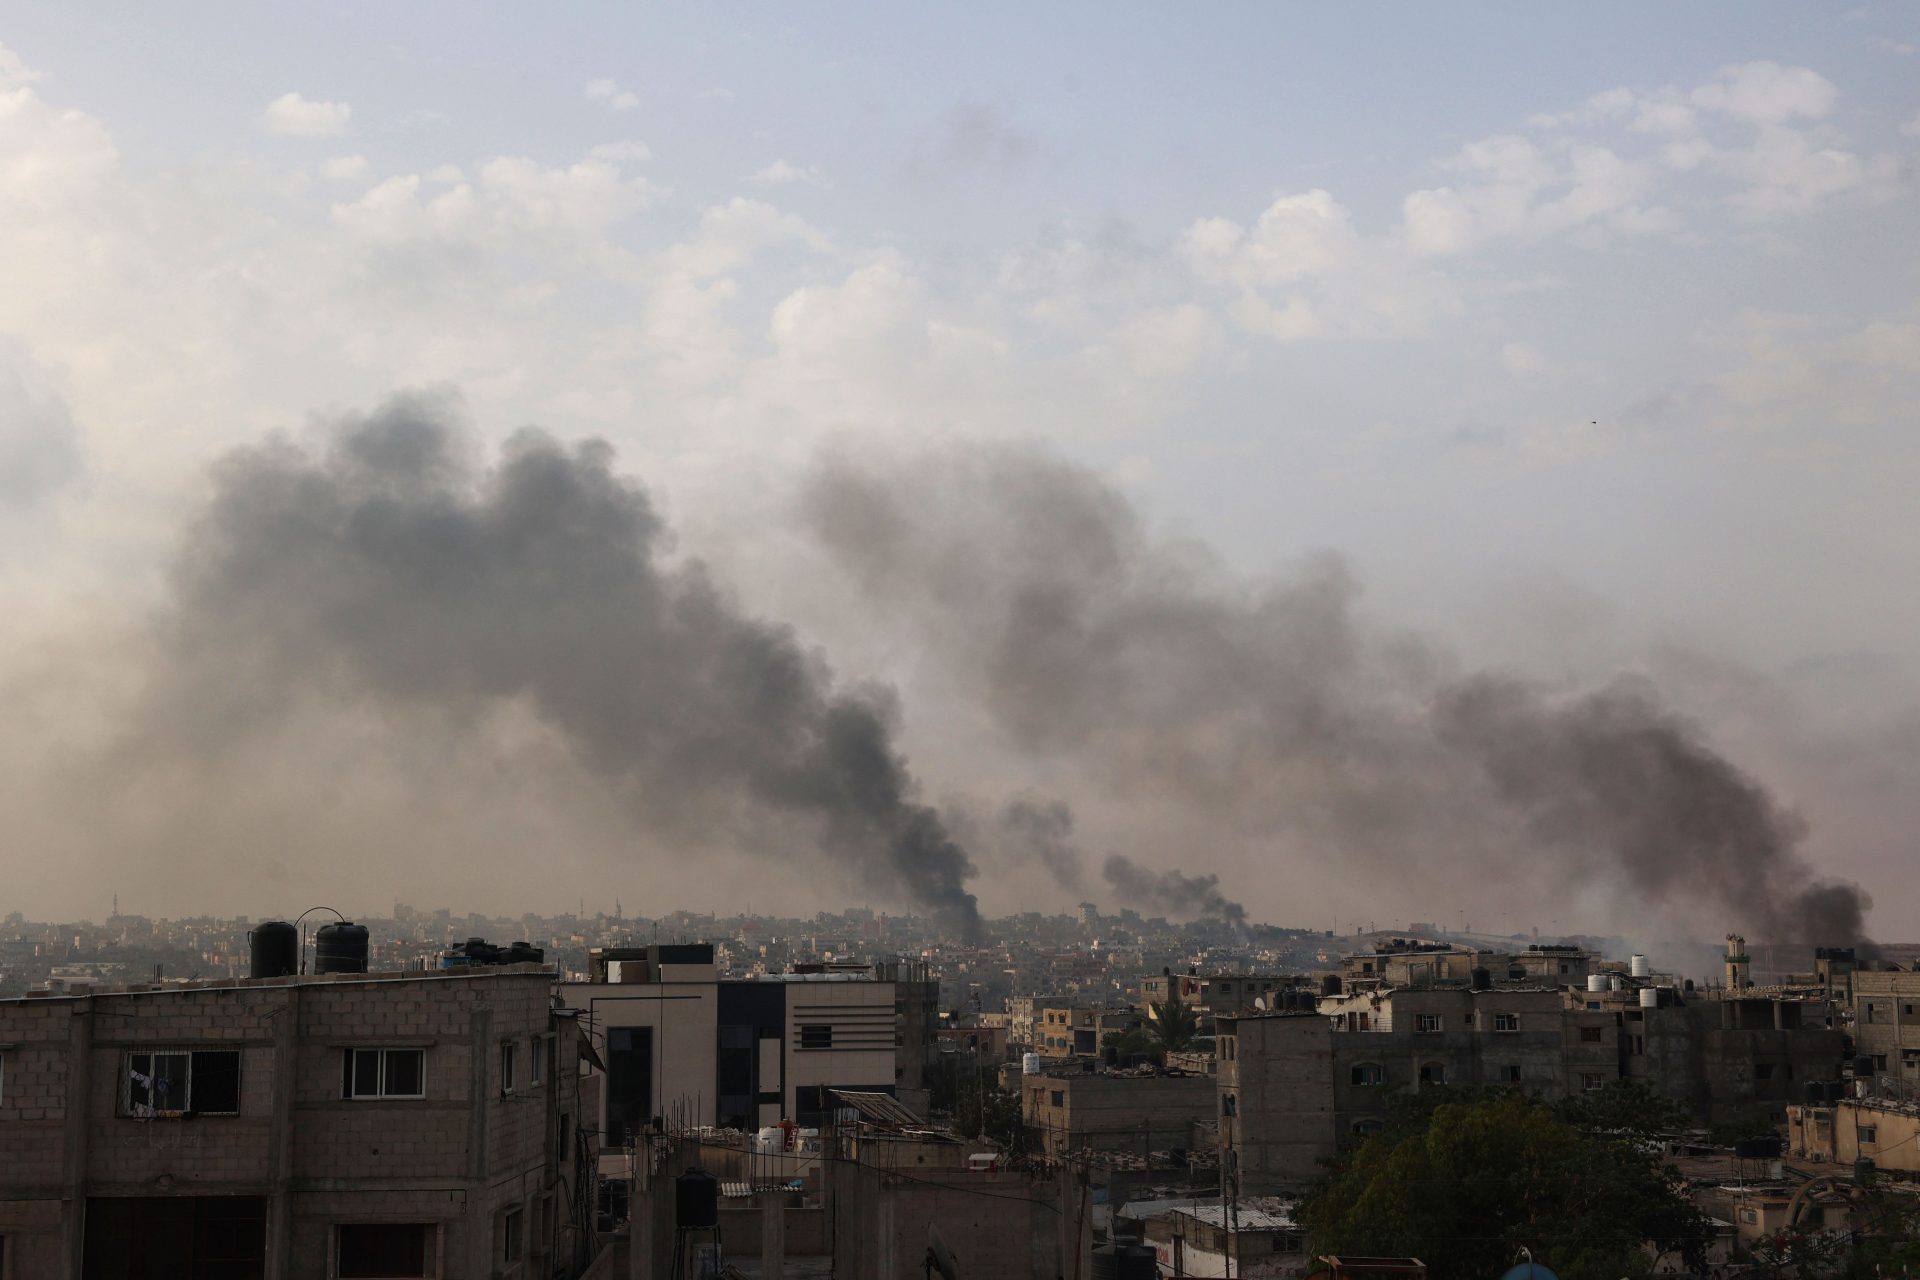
(385, 1249)
(164, 1237)
(182, 1082)
(629, 1082)
(816, 1035)
(1591, 1035)
(383, 1073)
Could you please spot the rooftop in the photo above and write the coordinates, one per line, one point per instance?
(466, 973)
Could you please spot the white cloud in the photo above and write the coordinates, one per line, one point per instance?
(609, 93)
(781, 173)
(1904, 48)
(1512, 187)
(14, 72)
(293, 116)
(346, 168)
(1768, 93)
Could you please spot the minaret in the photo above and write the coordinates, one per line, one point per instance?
(1736, 962)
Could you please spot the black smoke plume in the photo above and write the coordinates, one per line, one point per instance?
(1037, 831)
(395, 568)
(1270, 709)
(1171, 892)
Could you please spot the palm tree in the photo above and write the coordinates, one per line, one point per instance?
(1174, 1023)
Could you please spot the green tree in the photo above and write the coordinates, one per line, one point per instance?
(1624, 1107)
(1174, 1023)
(1465, 1182)
(1135, 1043)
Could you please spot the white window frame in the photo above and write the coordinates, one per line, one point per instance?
(508, 1055)
(537, 1061)
(1506, 1022)
(380, 1093)
(1428, 1023)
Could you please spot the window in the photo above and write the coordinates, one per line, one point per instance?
(1426, 1022)
(1229, 1105)
(1749, 1215)
(1565, 968)
(204, 1082)
(384, 1073)
(1868, 1134)
(384, 1249)
(511, 1231)
(1879, 1062)
(506, 1066)
(1367, 1128)
(1513, 1073)
(1906, 1011)
(819, 1035)
(1592, 1081)
(1369, 1073)
(537, 1060)
(1873, 1012)
(1057, 1098)
(1506, 1022)
(1592, 1035)
(1433, 1073)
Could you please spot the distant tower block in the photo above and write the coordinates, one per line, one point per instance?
(1737, 962)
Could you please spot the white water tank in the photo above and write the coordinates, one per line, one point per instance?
(1030, 1064)
(1649, 997)
(1618, 983)
(1596, 982)
(769, 1140)
(1638, 966)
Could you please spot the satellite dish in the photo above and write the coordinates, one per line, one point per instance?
(1529, 1270)
(1260, 1003)
(939, 1257)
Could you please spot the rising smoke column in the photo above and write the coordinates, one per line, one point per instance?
(1173, 892)
(392, 566)
(1271, 710)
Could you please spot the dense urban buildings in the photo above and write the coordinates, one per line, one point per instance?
(451, 1107)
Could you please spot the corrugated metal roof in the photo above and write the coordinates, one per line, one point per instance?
(877, 1108)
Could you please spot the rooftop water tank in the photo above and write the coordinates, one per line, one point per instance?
(340, 947)
(1030, 1064)
(1596, 983)
(1639, 967)
(696, 1199)
(274, 950)
(1330, 985)
(1649, 997)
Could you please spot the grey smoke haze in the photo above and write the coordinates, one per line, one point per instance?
(1038, 831)
(395, 565)
(1273, 710)
(1172, 892)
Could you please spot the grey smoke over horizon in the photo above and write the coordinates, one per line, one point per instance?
(395, 566)
(1173, 892)
(1271, 711)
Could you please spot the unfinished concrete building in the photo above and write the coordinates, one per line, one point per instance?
(296, 1128)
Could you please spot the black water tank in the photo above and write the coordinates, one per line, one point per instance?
(1863, 1068)
(696, 1199)
(1816, 1093)
(524, 953)
(1483, 979)
(1125, 1261)
(340, 948)
(1330, 985)
(274, 949)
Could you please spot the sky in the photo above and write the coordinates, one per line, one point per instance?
(1587, 338)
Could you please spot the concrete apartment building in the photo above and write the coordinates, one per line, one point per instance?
(1883, 1130)
(406, 1124)
(1213, 993)
(1413, 962)
(1115, 1110)
(1025, 1014)
(1728, 1057)
(687, 1047)
(1886, 1021)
